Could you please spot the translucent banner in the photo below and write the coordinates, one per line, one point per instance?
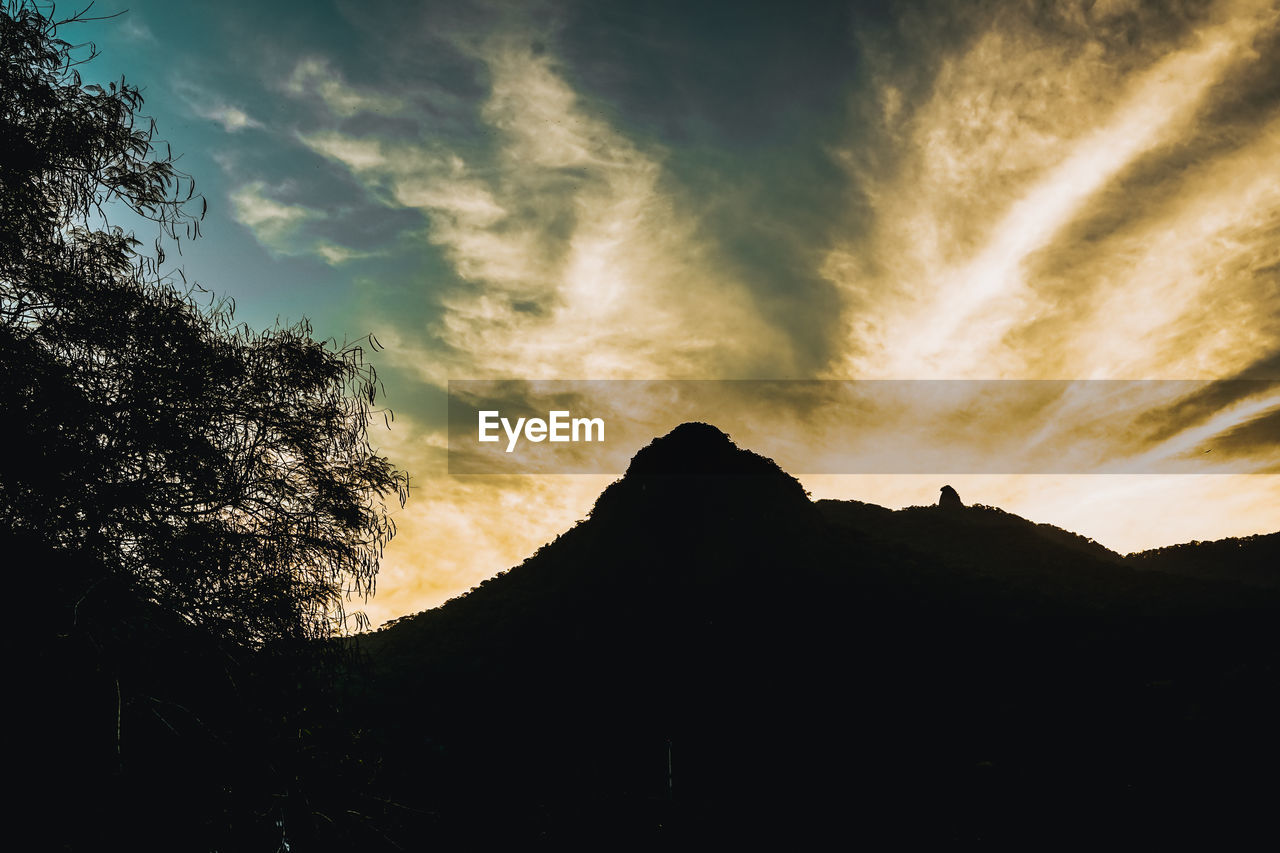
(876, 426)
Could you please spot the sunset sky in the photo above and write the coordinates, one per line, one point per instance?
(658, 190)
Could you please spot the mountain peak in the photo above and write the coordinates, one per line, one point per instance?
(697, 462)
(695, 448)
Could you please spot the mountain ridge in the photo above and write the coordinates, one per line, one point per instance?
(675, 470)
(998, 675)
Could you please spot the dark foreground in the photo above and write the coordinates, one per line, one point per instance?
(711, 657)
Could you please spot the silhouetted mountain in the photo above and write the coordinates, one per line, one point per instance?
(712, 656)
(1249, 560)
(659, 545)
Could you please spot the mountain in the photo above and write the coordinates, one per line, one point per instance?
(713, 657)
(1249, 560)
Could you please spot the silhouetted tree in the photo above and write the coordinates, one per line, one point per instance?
(222, 473)
(185, 492)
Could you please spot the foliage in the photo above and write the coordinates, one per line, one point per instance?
(189, 493)
(222, 473)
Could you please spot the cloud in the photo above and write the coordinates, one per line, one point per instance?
(359, 155)
(213, 107)
(316, 78)
(1058, 203)
(232, 119)
(274, 223)
(282, 228)
(573, 260)
(1024, 136)
(134, 29)
(335, 255)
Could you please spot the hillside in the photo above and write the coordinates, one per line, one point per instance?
(713, 656)
(1249, 560)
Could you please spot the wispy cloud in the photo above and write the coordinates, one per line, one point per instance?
(574, 261)
(214, 107)
(335, 255)
(274, 224)
(316, 78)
(132, 28)
(231, 118)
(283, 228)
(1024, 140)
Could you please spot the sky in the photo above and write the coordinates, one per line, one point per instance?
(1078, 190)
